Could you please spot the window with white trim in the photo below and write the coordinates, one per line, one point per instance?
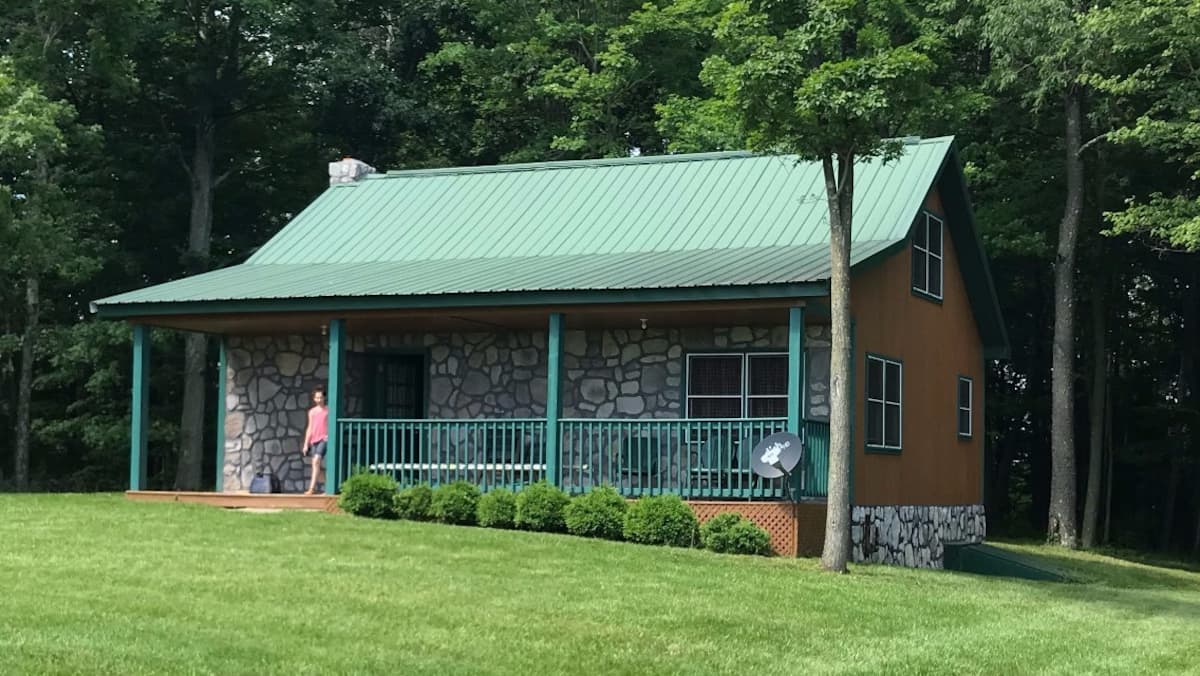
(885, 382)
(737, 385)
(966, 393)
(927, 255)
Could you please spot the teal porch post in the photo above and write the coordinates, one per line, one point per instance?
(139, 425)
(220, 436)
(553, 382)
(795, 387)
(337, 346)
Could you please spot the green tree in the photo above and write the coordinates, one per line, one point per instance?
(1147, 62)
(830, 81)
(1039, 50)
(220, 75)
(40, 221)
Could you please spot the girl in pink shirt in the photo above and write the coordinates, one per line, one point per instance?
(316, 437)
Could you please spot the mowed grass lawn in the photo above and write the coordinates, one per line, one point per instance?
(100, 584)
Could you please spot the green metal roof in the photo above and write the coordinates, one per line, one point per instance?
(712, 225)
(677, 221)
(676, 227)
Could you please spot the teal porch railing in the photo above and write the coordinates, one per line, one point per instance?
(489, 453)
(693, 458)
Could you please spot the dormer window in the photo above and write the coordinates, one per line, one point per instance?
(927, 256)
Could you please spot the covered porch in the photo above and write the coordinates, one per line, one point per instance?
(650, 398)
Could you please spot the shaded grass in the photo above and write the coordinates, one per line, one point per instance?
(99, 584)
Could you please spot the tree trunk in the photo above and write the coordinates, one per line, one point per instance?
(1108, 472)
(25, 382)
(1196, 538)
(839, 192)
(188, 473)
(1091, 504)
(1061, 527)
(1190, 366)
(1168, 517)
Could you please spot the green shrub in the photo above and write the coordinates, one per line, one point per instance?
(369, 495)
(540, 507)
(734, 534)
(455, 503)
(497, 509)
(598, 514)
(661, 520)
(413, 503)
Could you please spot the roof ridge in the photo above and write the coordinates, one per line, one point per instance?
(567, 164)
(607, 162)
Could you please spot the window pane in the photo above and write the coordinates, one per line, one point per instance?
(774, 407)
(715, 375)
(935, 236)
(874, 378)
(919, 261)
(891, 427)
(919, 235)
(714, 408)
(768, 374)
(874, 423)
(964, 421)
(893, 383)
(964, 393)
(935, 276)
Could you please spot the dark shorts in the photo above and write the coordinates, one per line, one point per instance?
(317, 448)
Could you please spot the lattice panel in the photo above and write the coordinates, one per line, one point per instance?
(801, 534)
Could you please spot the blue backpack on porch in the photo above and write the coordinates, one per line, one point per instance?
(264, 482)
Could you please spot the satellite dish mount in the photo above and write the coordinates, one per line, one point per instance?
(777, 456)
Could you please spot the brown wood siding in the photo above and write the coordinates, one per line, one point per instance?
(936, 343)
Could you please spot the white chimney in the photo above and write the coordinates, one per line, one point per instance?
(348, 170)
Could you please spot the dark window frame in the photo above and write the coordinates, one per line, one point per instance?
(927, 254)
(746, 356)
(881, 446)
(969, 408)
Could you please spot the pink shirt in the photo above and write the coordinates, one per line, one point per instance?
(318, 424)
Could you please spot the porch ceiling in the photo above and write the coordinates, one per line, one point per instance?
(762, 312)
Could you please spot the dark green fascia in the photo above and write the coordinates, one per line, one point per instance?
(509, 299)
(973, 264)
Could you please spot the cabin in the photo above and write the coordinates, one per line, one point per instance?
(638, 322)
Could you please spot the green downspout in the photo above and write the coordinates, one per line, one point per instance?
(983, 437)
(853, 407)
(220, 436)
(337, 344)
(553, 383)
(795, 387)
(139, 424)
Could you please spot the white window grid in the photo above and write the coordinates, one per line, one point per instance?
(968, 409)
(930, 257)
(884, 403)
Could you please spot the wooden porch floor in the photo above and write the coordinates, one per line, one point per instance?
(318, 503)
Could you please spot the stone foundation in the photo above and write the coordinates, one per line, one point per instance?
(912, 535)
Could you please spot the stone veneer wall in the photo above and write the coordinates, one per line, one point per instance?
(609, 373)
(912, 535)
(268, 381)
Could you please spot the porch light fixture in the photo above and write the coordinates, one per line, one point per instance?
(643, 321)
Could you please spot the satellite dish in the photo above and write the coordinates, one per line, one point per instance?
(776, 455)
